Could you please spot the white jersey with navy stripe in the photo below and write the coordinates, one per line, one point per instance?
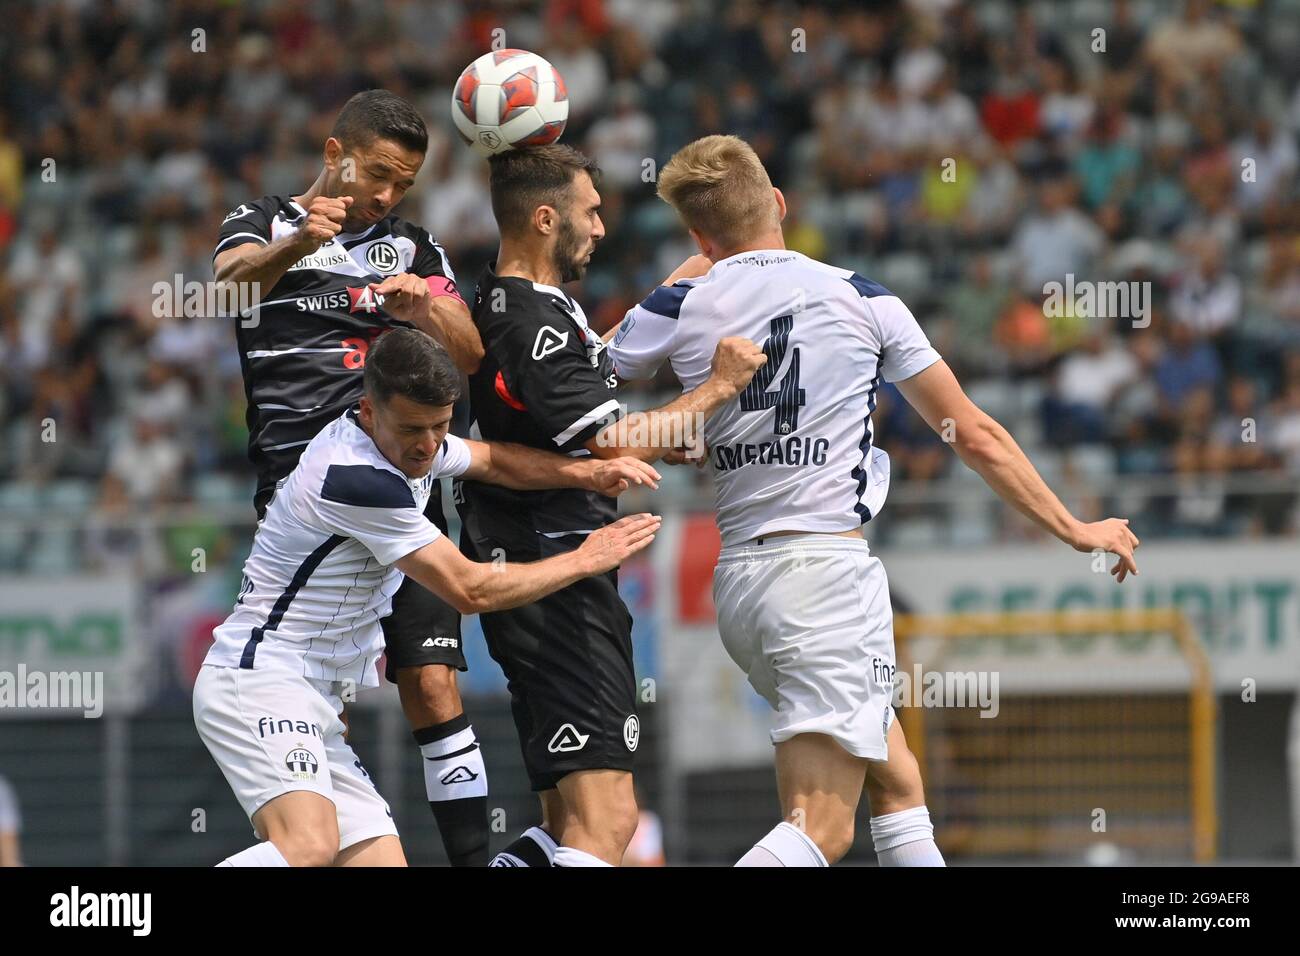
(320, 574)
(794, 450)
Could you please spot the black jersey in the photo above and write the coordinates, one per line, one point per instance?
(546, 381)
(303, 350)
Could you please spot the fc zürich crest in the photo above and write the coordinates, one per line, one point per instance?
(302, 763)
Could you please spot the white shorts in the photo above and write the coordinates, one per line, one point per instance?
(272, 732)
(808, 619)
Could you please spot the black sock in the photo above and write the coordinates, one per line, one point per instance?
(456, 784)
(534, 848)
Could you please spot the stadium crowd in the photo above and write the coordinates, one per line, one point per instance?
(965, 155)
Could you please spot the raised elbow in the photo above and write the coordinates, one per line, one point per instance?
(468, 355)
(474, 357)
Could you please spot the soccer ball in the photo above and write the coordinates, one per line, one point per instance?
(509, 98)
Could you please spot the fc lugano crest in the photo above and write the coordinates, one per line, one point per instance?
(382, 257)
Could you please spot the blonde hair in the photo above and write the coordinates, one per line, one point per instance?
(719, 188)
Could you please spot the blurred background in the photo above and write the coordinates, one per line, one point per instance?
(964, 154)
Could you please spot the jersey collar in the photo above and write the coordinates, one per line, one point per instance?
(756, 252)
(553, 290)
(537, 286)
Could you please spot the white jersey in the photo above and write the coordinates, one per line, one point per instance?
(320, 575)
(794, 450)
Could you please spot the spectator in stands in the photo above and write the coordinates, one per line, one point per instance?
(623, 139)
(11, 826)
(1190, 48)
(1270, 157)
(1055, 239)
(148, 462)
(1188, 365)
(972, 306)
(49, 276)
(1236, 440)
(1284, 436)
(1087, 381)
(1206, 298)
(154, 144)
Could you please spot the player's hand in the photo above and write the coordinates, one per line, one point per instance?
(608, 547)
(1114, 537)
(735, 361)
(324, 220)
(406, 296)
(617, 475)
(688, 455)
(692, 268)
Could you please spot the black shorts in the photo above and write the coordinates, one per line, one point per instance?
(422, 628)
(568, 663)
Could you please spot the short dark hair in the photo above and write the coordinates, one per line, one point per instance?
(409, 363)
(379, 114)
(523, 179)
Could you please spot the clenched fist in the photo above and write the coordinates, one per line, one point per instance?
(734, 363)
(324, 221)
(692, 268)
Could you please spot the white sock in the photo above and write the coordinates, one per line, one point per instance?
(905, 838)
(453, 767)
(264, 854)
(568, 856)
(786, 845)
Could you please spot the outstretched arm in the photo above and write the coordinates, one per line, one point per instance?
(523, 468)
(990, 451)
(472, 587)
(651, 435)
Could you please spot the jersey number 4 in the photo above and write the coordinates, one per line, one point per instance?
(789, 397)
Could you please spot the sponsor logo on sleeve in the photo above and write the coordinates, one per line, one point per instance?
(243, 210)
(548, 340)
(624, 329)
(567, 740)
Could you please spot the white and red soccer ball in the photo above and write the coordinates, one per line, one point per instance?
(507, 99)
